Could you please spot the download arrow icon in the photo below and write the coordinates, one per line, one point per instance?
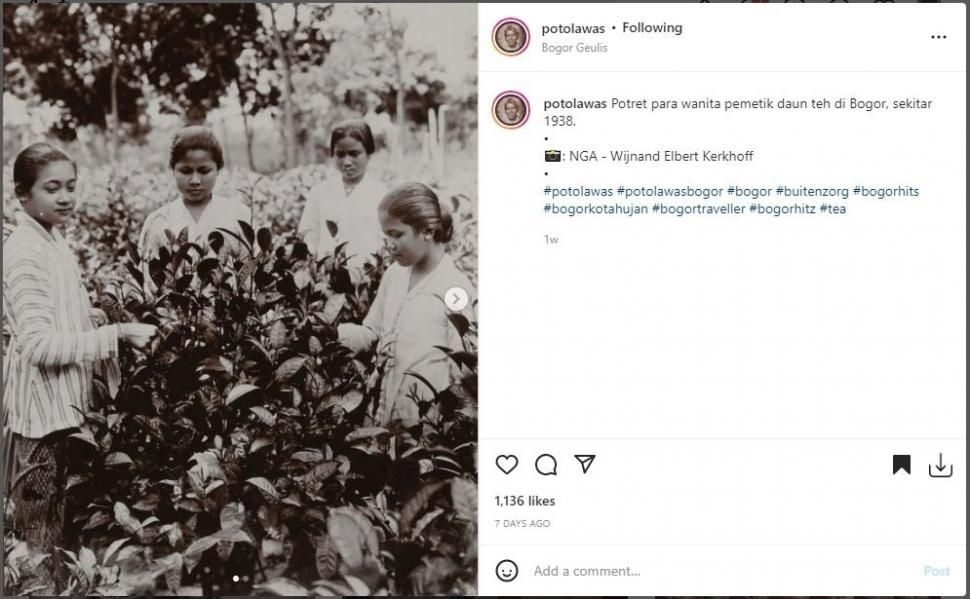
(942, 471)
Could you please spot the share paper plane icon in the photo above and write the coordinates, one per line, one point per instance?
(585, 461)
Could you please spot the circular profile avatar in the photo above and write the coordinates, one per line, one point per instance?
(510, 36)
(510, 110)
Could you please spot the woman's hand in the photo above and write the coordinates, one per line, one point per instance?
(98, 317)
(138, 334)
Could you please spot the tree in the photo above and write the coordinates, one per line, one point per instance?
(95, 61)
(408, 80)
(297, 41)
(195, 54)
(85, 58)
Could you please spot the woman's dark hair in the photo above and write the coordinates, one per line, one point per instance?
(415, 205)
(354, 129)
(195, 137)
(31, 161)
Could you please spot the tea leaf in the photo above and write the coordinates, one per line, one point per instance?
(260, 443)
(289, 368)
(207, 266)
(194, 553)
(175, 536)
(338, 251)
(277, 335)
(247, 271)
(113, 548)
(335, 304)
(283, 587)
(87, 437)
(426, 382)
(216, 241)
(424, 521)
(148, 503)
(239, 391)
(233, 536)
(300, 251)
(464, 496)
(332, 228)
(357, 586)
(208, 467)
(265, 486)
(365, 433)
(264, 415)
(247, 231)
(331, 588)
(128, 552)
(124, 518)
(262, 350)
(460, 323)
(350, 400)
(173, 574)
(265, 239)
(213, 486)
(340, 279)
(316, 387)
(97, 519)
(190, 505)
(308, 456)
(118, 458)
(87, 561)
(416, 504)
(322, 472)
(138, 275)
(447, 464)
(232, 517)
(316, 348)
(352, 535)
(461, 358)
(302, 278)
(327, 558)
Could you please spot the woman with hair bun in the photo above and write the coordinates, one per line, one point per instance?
(195, 160)
(409, 318)
(349, 201)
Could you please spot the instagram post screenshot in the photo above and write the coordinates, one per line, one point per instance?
(308, 299)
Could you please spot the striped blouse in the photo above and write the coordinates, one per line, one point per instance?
(54, 348)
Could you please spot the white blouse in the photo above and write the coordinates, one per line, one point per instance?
(221, 212)
(355, 215)
(407, 326)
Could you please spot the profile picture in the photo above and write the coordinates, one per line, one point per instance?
(510, 109)
(510, 36)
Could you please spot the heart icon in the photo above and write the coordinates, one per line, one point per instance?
(506, 463)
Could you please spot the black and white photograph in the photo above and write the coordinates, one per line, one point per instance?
(240, 334)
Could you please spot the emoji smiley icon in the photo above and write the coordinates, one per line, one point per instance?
(507, 570)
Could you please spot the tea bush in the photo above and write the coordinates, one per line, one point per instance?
(239, 452)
